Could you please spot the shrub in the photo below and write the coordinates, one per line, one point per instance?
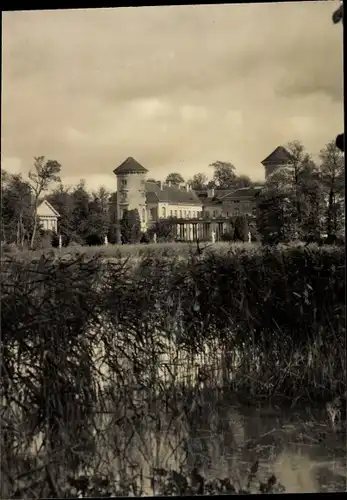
(94, 239)
(113, 234)
(131, 226)
(227, 236)
(145, 238)
(44, 239)
(164, 229)
(241, 228)
(9, 248)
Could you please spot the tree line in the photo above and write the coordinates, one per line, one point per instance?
(224, 177)
(299, 201)
(85, 216)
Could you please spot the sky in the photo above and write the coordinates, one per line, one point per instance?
(175, 87)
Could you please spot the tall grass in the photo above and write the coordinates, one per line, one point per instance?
(115, 367)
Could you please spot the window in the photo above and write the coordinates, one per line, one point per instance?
(254, 210)
(227, 214)
(185, 213)
(163, 212)
(124, 182)
(175, 213)
(214, 213)
(193, 214)
(171, 213)
(143, 182)
(180, 214)
(207, 213)
(188, 215)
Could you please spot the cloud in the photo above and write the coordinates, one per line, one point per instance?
(169, 84)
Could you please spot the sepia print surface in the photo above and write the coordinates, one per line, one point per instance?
(173, 251)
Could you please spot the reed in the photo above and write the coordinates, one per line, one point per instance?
(109, 367)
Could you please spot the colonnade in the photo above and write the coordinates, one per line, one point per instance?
(191, 231)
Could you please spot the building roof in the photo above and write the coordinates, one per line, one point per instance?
(170, 194)
(280, 154)
(45, 209)
(218, 193)
(246, 192)
(130, 166)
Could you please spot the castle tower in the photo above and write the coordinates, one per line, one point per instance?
(280, 157)
(131, 189)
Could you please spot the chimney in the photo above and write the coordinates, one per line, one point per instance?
(169, 183)
(188, 187)
(160, 184)
(210, 193)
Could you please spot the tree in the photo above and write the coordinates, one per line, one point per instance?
(241, 228)
(242, 181)
(164, 229)
(152, 180)
(62, 200)
(224, 174)
(16, 209)
(333, 184)
(99, 214)
(44, 174)
(79, 222)
(274, 217)
(175, 178)
(199, 181)
(292, 181)
(131, 226)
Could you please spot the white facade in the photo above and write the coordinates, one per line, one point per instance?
(48, 216)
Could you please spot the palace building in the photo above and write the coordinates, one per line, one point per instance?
(194, 210)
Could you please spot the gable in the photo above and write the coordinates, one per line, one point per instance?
(45, 209)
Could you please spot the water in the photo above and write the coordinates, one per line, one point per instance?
(298, 446)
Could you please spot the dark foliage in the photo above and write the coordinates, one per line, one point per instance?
(94, 239)
(131, 226)
(164, 229)
(145, 238)
(227, 236)
(241, 228)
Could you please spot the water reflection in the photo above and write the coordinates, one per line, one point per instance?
(300, 448)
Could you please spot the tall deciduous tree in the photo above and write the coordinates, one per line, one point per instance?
(333, 182)
(175, 178)
(44, 173)
(99, 214)
(16, 208)
(61, 199)
(242, 181)
(293, 181)
(224, 174)
(198, 181)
